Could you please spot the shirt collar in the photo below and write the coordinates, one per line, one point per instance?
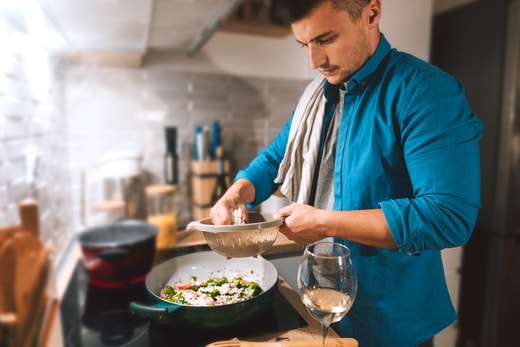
(362, 75)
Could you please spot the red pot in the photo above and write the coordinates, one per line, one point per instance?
(118, 254)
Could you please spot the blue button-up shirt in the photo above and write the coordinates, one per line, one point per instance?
(408, 144)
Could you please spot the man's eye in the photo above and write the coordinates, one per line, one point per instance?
(303, 45)
(325, 41)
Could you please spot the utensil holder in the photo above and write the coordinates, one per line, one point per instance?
(203, 180)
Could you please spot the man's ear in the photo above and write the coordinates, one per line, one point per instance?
(374, 7)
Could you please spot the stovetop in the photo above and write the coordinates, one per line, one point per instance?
(93, 316)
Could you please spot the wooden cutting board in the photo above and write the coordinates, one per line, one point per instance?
(8, 318)
(24, 269)
(331, 342)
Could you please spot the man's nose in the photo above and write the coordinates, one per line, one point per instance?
(317, 57)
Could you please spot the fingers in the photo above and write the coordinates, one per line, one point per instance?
(285, 211)
(220, 216)
(298, 225)
(228, 212)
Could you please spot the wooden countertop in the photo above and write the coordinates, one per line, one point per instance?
(188, 239)
(310, 332)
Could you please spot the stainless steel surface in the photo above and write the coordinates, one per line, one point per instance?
(138, 25)
(507, 193)
(480, 45)
(503, 285)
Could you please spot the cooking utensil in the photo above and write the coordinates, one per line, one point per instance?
(242, 240)
(9, 323)
(215, 138)
(336, 342)
(24, 269)
(205, 265)
(119, 253)
(31, 272)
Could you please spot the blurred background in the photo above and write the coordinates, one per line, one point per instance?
(86, 83)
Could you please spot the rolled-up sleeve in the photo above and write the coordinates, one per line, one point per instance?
(440, 136)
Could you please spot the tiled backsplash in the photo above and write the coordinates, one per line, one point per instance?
(80, 113)
(119, 109)
(33, 151)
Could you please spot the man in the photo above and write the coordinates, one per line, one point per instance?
(382, 154)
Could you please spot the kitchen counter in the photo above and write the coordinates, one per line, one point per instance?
(192, 241)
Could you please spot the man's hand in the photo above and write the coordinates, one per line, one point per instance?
(240, 193)
(221, 212)
(303, 223)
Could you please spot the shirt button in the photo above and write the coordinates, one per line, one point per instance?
(363, 83)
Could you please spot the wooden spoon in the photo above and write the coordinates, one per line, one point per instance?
(30, 270)
(29, 216)
(8, 317)
(331, 342)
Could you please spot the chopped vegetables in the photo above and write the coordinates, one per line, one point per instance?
(211, 292)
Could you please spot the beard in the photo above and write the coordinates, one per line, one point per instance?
(355, 58)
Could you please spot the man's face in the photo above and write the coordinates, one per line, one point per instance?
(337, 46)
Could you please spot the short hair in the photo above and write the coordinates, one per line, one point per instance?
(299, 9)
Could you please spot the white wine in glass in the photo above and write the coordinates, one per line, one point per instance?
(327, 282)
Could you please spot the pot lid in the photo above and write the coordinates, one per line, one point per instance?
(121, 233)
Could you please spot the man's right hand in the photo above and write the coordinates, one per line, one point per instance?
(236, 197)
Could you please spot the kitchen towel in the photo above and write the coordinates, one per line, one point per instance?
(296, 170)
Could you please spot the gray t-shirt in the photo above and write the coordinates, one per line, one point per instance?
(324, 198)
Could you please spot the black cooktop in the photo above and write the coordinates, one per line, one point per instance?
(93, 316)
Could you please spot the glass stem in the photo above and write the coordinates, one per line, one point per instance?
(325, 330)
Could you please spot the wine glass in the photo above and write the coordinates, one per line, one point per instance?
(327, 282)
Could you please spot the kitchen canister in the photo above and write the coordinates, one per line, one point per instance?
(161, 212)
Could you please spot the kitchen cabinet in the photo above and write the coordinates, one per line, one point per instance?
(259, 17)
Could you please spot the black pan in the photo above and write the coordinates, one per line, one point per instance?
(203, 265)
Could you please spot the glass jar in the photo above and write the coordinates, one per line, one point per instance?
(161, 212)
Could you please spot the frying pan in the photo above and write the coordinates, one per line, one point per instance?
(203, 265)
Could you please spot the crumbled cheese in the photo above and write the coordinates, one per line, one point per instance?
(211, 292)
(237, 216)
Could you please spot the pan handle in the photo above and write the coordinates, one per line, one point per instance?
(156, 312)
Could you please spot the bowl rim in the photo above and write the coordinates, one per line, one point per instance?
(204, 226)
(205, 257)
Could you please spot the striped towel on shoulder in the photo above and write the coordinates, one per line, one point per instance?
(296, 170)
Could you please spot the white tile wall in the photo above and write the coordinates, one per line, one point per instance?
(31, 123)
(82, 112)
(123, 108)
